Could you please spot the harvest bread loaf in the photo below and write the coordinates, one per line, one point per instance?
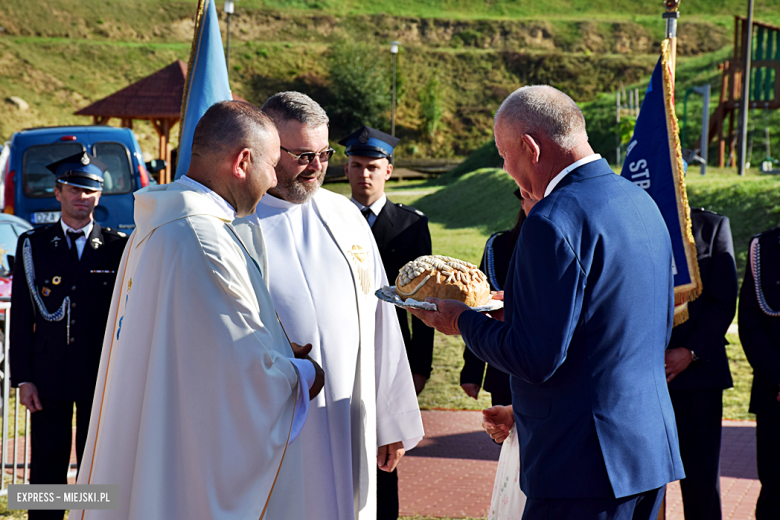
(443, 277)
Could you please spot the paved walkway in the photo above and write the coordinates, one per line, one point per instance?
(450, 473)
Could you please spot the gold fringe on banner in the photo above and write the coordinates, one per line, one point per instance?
(680, 314)
(202, 5)
(690, 291)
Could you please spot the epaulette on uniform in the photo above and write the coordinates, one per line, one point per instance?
(706, 211)
(29, 232)
(411, 209)
(767, 232)
(112, 231)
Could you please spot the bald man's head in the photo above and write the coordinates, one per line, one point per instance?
(229, 126)
(544, 111)
(235, 149)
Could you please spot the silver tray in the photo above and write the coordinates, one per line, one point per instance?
(388, 294)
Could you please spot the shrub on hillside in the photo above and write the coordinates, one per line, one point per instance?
(431, 106)
(359, 86)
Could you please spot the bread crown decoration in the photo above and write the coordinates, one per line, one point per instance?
(452, 269)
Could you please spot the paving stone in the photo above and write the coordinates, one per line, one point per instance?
(451, 472)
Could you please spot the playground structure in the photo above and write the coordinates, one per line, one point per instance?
(764, 84)
(628, 105)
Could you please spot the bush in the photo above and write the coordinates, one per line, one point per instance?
(431, 106)
(359, 86)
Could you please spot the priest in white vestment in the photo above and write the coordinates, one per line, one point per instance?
(324, 269)
(199, 397)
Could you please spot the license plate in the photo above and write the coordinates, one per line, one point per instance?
(45, 217)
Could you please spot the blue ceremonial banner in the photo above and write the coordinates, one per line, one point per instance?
(207, 78)
(654, 162)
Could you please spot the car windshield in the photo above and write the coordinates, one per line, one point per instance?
(39, 182)
(117, 178)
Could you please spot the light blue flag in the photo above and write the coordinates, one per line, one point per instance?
(207, 78)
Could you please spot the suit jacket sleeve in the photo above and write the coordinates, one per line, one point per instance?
(719, 299)
(22, 322)
(535, 342)
(420, 352)
(760, 347)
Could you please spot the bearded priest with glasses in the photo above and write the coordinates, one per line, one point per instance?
(325, 268)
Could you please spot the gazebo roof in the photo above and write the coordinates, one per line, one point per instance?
(157, 96)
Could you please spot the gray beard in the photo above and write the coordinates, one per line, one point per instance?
(295, 192)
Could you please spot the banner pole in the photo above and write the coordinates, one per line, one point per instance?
(744, 100)
(671, 15)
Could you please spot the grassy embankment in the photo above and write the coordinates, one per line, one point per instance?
(60, 56)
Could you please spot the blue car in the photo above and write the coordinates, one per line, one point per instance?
(29, 186)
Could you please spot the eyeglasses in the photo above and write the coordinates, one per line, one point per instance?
(306, 158)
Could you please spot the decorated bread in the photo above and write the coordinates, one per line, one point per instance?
(443, 277)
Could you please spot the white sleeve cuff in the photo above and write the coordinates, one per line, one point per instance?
(306, 376)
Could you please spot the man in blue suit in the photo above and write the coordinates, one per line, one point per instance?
(587, 318)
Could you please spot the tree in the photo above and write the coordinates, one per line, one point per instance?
(359, 85)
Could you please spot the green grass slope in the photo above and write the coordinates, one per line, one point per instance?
(599, 112)
(455, 9)
(60, 55)
(517, 8)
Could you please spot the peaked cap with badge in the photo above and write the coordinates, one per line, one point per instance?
(370, 142)
(82, 170)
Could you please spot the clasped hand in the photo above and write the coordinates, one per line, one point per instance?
(497, 421)
(387, 456)
(302, 352)
(28, 396)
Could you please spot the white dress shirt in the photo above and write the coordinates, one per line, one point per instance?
(375, 208)
(558, 178)
(82, 240)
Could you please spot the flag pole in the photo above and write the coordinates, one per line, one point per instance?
(744, 100)
(671, 15)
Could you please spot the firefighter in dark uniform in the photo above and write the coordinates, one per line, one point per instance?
(759, 331)
(697, 368)
(64, 275)
(401, 234)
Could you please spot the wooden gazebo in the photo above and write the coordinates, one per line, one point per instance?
(156, 98)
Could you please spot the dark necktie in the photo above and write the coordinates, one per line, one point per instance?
(74, 251)
(366, 213)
